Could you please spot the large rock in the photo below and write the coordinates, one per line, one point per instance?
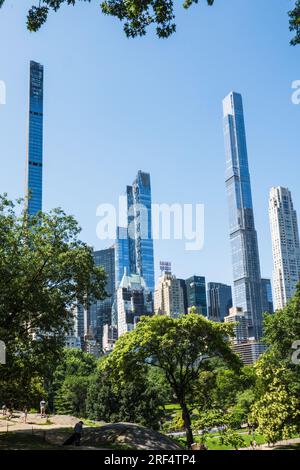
(128, 434)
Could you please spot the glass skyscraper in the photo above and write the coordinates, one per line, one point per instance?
(219, 300)
(100, 312)
(243, 237)
(134, 244)
(34, 163)
(196, 294)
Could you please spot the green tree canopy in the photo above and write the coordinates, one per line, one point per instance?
(44, 271)
(138, 15)
(276, 410)
(179, 347)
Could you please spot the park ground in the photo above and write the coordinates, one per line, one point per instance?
(49, 434)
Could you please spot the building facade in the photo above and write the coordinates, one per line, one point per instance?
(267, 296)
(134, 244)
(285, 245)
(196, 294)
(219, 301)
(34, 158)
(237, 316)
(168, 296)
(243, 236)
(100, 312)
(134, 299)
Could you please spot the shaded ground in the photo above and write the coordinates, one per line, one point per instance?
(39, 433)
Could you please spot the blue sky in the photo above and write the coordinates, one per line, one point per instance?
(115, 105)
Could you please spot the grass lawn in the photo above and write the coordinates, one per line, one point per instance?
(213, 443)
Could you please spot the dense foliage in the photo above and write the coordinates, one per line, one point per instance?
(44, 271)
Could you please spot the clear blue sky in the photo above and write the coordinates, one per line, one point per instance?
(115, 105)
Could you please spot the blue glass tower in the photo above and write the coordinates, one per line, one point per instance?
(142, 211)
(121, 254)
(243, 237)
(134, 244)
(34, 164)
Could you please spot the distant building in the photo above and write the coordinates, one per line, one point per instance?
(134, 300)
(196, 294)
(100, 312)
(34, 163)
(91, 345)
(110, 336)
(219, 301)
(72, 342)
(267, 297)
(285, 245)
(168, 296)
(249, 351)
(122, 254)
(183, 287)
(237, 316)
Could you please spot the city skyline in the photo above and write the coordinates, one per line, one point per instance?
(91, 123)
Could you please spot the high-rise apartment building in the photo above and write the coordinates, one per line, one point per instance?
(168, 296)
(34, 159)
(243, 237)
(196, 294)
(285, 245)
(219, 301)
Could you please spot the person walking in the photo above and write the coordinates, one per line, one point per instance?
(43, 408)
(4, 409)
(25, 413)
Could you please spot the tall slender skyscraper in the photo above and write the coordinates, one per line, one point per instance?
(285, 245)
(34, 163)
(134, 244)
(243, 237)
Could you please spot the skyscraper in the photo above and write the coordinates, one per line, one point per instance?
(100, 311)
(34, 163)
(243, 237)
(168, 296)
(196, 294)
(267, 296)
(285, 245)
(219, 301)
(134, 300)
(142, 223)
(134, 243)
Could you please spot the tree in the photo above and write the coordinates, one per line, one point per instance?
(138, 400)
(295, 23)
(276, 410)
(71, 381)
(178, 346)
(44, 271)
(138, 15)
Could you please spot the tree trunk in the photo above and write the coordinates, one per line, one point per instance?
(187, 423)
